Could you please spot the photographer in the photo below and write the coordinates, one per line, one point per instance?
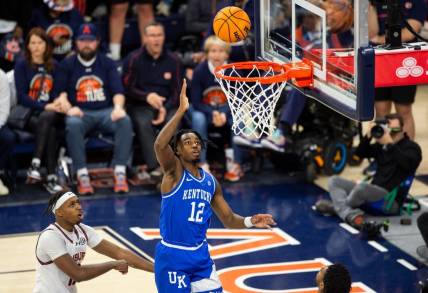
(397, 157)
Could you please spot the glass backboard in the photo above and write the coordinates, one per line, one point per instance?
(333, 35)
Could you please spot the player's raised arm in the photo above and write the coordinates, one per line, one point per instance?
(164, 153)
(234, 221)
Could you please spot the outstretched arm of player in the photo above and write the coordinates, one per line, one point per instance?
(86, 272)
(111, 250)
(235, 221)
(164, 153)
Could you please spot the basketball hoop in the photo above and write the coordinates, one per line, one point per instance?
(254, 88)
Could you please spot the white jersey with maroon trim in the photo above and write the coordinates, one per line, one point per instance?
(54, 242)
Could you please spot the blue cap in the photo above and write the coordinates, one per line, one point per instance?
(87, 31)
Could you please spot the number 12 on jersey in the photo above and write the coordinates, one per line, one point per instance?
(197, 211)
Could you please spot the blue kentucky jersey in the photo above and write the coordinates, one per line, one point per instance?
(186, 210)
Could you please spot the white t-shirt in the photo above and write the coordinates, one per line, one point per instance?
(54, 242)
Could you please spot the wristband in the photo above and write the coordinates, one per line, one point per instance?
(248, 223)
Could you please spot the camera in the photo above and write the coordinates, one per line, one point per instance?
(371, 230)
(378, 130)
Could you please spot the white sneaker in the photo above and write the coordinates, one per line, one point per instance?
(52, 185)
(33, 175)
(3, 189)
(251, 142)
(275, 141)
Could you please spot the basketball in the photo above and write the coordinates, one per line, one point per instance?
(231, 24)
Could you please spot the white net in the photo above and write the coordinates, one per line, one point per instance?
(252, 103)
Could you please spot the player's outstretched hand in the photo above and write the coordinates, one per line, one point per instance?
(263, 221)
(184, 100)
(121, 266)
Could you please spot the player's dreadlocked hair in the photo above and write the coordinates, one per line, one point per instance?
(53, 199)
(337, 279)
(176, 139)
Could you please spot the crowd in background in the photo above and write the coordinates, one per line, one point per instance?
(78, 67)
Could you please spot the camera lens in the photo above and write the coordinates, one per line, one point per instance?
(377, 131)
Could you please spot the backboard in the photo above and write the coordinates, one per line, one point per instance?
(333, 35)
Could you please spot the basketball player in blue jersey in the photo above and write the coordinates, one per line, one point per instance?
(189, 195)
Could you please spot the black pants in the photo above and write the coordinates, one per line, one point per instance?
(423, 226)
(7, 142)
(142, 117)
(44, 127)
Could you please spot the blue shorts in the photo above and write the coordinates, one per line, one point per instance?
(185, 270)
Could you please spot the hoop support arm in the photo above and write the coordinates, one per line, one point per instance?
(300, 73)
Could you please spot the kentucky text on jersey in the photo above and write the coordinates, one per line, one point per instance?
(197, 194)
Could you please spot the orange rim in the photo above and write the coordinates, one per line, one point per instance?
(261, 65)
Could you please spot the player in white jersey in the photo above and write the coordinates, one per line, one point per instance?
(61, 248)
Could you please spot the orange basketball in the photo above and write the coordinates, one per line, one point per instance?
(231, 24)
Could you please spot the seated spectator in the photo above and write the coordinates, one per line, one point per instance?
(207, 98)
(11, 45)
(397, 158)
(334, 279)
(151, 76)
(34, 82)
(422, 251)
(117, 18)
(7, 137)
(60, 20)
(93, 87)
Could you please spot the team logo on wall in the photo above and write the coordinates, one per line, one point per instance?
(214, 96)
(39, 92)
(90, 88)
(62, 36)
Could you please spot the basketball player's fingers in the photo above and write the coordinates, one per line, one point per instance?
(183, 88)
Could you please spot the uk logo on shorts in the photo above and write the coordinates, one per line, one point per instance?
(90, 88)
(61, 35)
(409, 68)
(39, 92)
(176, 279)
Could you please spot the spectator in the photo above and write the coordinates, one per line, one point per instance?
(60, 20)
(414, 11)
(118, 12)
(422, 251)
(7, 137)
(151, 77)
(93, 86)
(11, 44)
(397, 158)
(334, 279)
(34, 82)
